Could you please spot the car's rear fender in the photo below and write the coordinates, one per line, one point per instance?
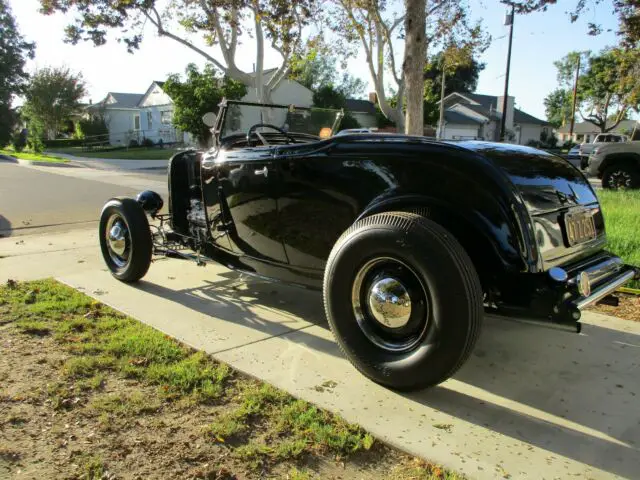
(489, 249)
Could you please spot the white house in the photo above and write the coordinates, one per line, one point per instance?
(478, 117)
(135, 116)
(587, 131)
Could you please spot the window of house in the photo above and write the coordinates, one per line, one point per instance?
(150, 120)
(136, 122)
(166, 117)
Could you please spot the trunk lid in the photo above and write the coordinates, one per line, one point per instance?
(545, 181)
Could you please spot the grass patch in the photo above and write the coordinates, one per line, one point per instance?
(621, 211)
(121, 377)
(37, 157)
(140, 153)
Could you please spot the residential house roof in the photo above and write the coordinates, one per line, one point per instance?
(121, 100)
(488, 104)
(588, 127)
(451, 116)
(365, 106)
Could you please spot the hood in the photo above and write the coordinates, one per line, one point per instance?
(545, 181)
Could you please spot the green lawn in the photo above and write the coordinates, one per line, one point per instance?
(38, 157)
(99, 387)
(141, 153)
(622, 219)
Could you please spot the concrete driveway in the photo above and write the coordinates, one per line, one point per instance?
(530, 403)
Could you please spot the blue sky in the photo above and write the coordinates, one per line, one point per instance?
(539, 40)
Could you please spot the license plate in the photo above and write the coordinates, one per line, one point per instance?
(580, 227)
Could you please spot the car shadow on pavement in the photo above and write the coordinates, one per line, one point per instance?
(572, 395)
(235, 297)
(5, 227)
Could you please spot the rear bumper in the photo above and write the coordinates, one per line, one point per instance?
(589, 283)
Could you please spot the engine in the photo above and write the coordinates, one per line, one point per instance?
(197, 218)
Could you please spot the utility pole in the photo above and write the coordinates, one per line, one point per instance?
(575, 98)
(508, 21)
(441, 121)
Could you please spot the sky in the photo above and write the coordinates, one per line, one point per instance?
(539, 39)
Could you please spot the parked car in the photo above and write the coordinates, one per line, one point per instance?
(574, 157)
(602, 138)
(617, 164)
(409, 239)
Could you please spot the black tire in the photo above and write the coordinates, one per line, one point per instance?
(454, 306)
(621, 175)
(139, 245)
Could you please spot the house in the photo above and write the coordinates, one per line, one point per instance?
(478, 117)
(364, 111)
(587, 131)
(132, 117)
(138, 116)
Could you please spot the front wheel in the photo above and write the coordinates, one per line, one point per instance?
(403, 300)
(125, 239)
(621, 175)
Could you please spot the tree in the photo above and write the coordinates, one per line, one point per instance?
(610, 88)
(461, 75)
(221, 24)
(14, 51)
(627, 11)
(415, 52)
(316, 67)
(329, 97)
(51, 97)
(374, 25)
(557, 106)
(199, 93)
(608, 85)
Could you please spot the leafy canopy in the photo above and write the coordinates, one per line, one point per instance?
(197, 94)
(14, 51)
(608, 85)
(51, 97)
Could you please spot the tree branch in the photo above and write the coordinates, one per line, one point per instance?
(165, 33)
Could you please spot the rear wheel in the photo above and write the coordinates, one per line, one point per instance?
(125, 239)
(403, 300)
(621, 175)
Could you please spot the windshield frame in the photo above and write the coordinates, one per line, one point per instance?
(224, 105)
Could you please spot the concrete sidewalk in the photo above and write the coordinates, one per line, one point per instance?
(530, 403)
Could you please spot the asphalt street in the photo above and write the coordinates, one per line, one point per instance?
(34, 200)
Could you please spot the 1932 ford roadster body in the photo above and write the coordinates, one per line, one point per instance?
(410, 239)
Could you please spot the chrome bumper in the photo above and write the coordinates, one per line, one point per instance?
(593, 283)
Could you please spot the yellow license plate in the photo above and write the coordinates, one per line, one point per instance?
(580, 227)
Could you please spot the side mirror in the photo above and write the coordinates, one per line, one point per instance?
(209, 119)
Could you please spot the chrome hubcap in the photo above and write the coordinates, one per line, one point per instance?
(389, 303)
(118, 241)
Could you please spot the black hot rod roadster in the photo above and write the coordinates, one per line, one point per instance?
(410, 239)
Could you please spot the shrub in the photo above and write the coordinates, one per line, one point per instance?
(19, 140)
(133, 143)
(552, 141)
(147, 142)
(62, 143)
(91, 127)
(569, 144)
(533, 143)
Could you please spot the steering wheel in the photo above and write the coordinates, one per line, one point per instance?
(252, 131)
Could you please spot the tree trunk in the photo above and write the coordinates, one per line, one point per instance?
(413, 65)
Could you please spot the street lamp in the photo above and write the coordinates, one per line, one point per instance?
(508, 20)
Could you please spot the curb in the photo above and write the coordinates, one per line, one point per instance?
(36, 163)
